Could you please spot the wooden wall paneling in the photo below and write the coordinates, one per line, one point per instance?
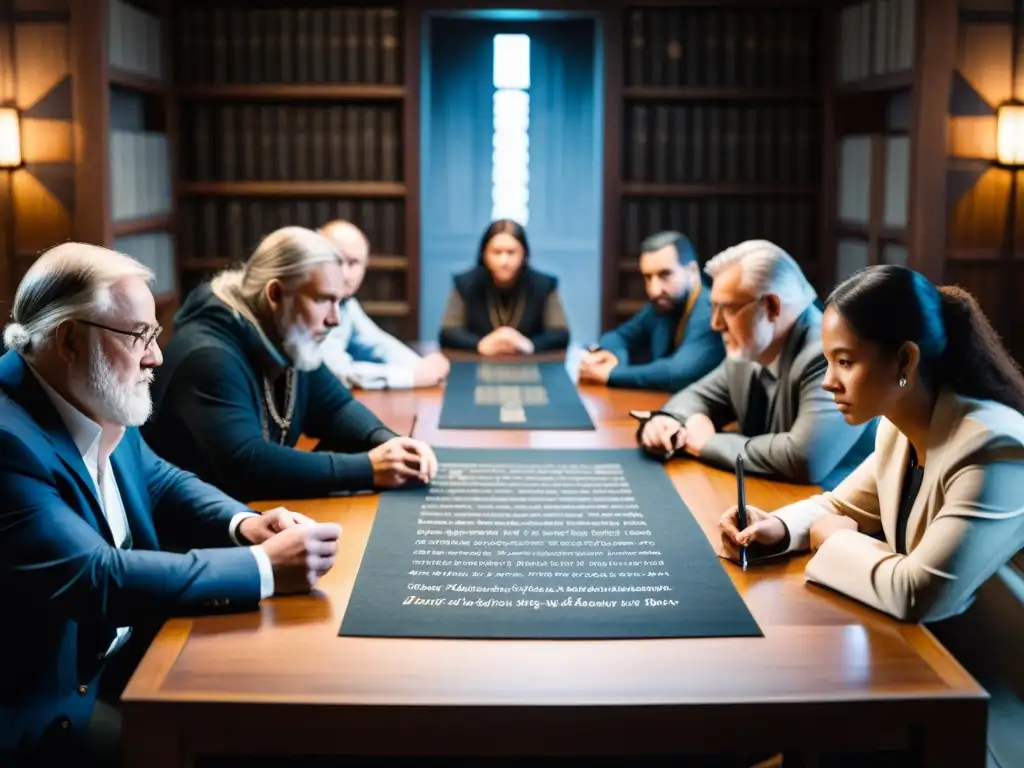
(42, 193)
(411, 50)
(614, 107)
(91, 99)
(937, 37)
(978, 220)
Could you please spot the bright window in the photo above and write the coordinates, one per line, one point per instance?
(510, 161)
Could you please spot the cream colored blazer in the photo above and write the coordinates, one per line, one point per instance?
(967, 520)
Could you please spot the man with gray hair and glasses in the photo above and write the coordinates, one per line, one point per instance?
(88, 512)
(245, 378)
(788, 427)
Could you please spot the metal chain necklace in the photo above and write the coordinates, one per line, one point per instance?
(283, 422)
(500, 314)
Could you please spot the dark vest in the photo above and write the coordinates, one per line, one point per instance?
(530, 295)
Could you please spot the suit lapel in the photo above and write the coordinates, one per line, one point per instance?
(22, 387)
(942, 421)
(136, 508)
(779, 417)
(890, 488)
(659, 337)
(740, 377)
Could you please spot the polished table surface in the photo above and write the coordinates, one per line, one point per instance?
(828, 674)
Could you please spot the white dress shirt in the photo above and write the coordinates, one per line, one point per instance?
(96, 444)
(363, 355)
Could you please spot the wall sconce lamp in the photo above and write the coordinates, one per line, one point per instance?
(10, 138)
(1010, 135)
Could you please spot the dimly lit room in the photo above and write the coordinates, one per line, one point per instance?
(461, 382)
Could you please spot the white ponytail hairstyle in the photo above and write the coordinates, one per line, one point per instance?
(70, 280)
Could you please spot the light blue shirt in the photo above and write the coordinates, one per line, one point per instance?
(364, 356)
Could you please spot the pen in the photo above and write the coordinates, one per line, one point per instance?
(741, 507)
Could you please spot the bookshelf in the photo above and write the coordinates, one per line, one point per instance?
(297, 114)
(124, 189)
(875, 72)
(721, 117)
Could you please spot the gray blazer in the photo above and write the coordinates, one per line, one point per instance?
(804, 438)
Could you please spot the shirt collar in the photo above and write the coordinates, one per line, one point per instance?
(772, 369)
(85, 433)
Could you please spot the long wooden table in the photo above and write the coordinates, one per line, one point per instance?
(828, 675)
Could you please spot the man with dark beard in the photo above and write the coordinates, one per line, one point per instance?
(669, 343)
(87, 510)
(244, 378)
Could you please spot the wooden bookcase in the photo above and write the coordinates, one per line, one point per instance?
(873, 70)
(296, 115)
(892, 67)
(720, 135)
(124, 180)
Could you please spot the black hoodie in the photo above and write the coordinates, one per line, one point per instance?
(209, 411)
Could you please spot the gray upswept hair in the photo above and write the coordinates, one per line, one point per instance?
(288, 254)
(69, 281)
(766, 268)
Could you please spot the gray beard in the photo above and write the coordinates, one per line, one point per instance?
(305, 352)
(129, 405)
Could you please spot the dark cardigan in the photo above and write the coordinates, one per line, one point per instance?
(468, 318)
(208, 403)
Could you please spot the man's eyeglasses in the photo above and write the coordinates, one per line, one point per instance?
(730, 308)
(145, 337)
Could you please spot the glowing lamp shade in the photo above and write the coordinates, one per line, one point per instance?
(10, 138)
(1010, 134)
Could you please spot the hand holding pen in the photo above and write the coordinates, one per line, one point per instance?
(753, 526)
(741, 511)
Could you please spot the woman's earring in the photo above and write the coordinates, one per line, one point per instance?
(903, 381)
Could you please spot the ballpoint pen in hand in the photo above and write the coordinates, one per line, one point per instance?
(741, 508)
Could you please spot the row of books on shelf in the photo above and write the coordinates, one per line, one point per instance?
(876, 37)
(854, 178)
(232, 142)
(136, 40)
(302, 45)
(140, 179)
(712, 143)
(707, 46)
(228, 228)
(716, 224)
(156, 251)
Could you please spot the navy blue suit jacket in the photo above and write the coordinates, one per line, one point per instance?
(67, 588)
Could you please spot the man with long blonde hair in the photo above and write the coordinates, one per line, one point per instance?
(244, 378)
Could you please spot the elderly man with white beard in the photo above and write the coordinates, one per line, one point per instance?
(244, 378)
(87, 509)
(769, 384)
